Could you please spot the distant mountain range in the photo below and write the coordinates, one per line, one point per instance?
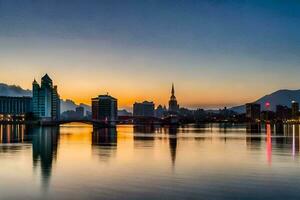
(14, 90)
(71, 105)
(280, 97)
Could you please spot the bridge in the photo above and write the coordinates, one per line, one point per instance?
(121, 120)
(86, 121)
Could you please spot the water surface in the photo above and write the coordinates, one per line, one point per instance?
(209, 161)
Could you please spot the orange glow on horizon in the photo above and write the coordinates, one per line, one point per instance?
(128, 91)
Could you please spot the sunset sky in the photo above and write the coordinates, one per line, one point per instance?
(217, 53)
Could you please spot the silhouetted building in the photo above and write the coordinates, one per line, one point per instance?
(283, 113)
(17, 106)
(80, 111)
(173, 106)
(295, 109)
(105, 108)
(267, 115)
(186, 115)
(253, 111)
(46, 101)
(199, 115)
(145, 109)
(160, 111)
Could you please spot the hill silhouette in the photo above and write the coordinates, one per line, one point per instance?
(280, 97)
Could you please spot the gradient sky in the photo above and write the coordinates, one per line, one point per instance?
(218, 53)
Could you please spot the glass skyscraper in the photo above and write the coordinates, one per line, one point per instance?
(46, 101)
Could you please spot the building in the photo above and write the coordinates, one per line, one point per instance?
(45, 100)
(295, 110)
(160, 111)
(283, 113)
(105, 108)
(267, 115)
(253, 111)
(79, 111)
(173, 106)
(145, 109)
(11, 107)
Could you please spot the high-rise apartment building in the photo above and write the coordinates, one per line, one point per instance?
(46, 101)
(253, 111)
(105, 109)
(145, 109)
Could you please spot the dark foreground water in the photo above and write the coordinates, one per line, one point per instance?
(211, 161)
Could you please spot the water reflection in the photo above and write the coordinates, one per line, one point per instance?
(74, 157)
(12, 133)
(254, 137)
(173, 130)
(143, 136)
(44, 150)
(104, 142)
(44, 141)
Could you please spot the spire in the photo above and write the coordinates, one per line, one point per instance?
(35, 82)
(173, 91)
(46, 77)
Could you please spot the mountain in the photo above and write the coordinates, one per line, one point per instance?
(280, 97)
(68, 104)
(17, 91)
(13, 90)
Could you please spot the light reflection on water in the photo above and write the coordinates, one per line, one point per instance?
(209, 161)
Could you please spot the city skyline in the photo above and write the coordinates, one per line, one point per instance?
(150, 99)
(217, 53)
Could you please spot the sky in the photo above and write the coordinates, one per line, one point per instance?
(217, 53)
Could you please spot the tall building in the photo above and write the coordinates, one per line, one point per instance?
(45, 98)
(283, 112)
(145, 109)
(15, 106)
(173, 106)
(295, 109)
(105, 108)
(253, 111)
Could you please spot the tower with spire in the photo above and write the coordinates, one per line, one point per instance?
(173, 105)
(45, 98)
